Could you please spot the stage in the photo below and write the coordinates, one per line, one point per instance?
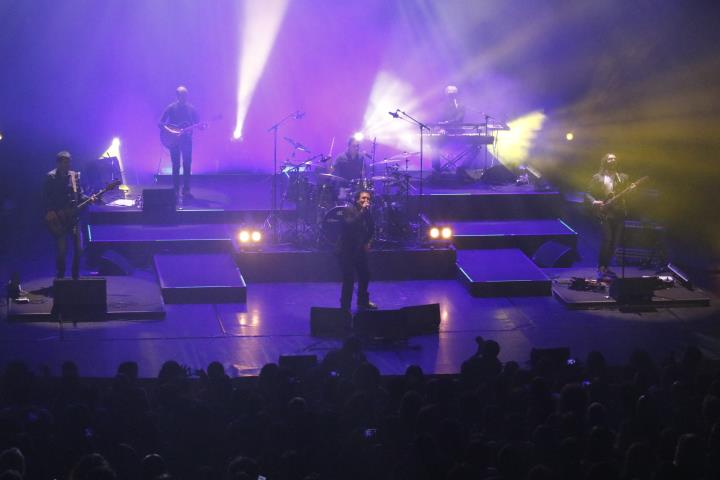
(208, 297)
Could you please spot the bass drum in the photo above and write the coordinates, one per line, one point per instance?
(332, 226)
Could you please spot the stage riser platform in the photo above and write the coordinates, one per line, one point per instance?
(322, 266)
(527, 244)
(203, 278)
(185, 216)
(127, 298)
(501, 273)
(488, 206)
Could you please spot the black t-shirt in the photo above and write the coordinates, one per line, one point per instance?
(348, 167)
(58, 192)
(179, 115)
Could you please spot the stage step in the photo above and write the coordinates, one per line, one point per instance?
(281, 265)
(200, 278)
(501, 273)
(526, 235)
(508, 202)
(138, 242)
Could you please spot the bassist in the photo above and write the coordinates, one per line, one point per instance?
(605, 184)
(179, 115)
(62, 193)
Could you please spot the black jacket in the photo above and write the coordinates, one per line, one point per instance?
(357, 229)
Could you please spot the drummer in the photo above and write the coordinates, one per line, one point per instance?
(349, 165)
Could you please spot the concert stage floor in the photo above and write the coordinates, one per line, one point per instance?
(275, 321)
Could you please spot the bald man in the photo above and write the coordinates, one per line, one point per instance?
(181, 114)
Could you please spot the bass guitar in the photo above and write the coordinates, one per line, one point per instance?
(602, 210)
(60, 221)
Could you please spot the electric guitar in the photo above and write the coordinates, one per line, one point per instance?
(60, 221)
(170, 134)
(602, 210)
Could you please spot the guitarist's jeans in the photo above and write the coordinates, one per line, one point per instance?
(61, 243)
(612, 227)
(184, 149)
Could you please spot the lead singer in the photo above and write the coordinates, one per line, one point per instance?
(353, 245)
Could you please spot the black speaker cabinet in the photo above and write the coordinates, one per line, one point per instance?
(552, 254)
(86, 298)
(330, 322)
(633, 289)
(158, 201)
(422, 319)
(385, 324)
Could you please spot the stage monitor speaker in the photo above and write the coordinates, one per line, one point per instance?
(552, 254)
(297, 364)
(498, 175)
(554, 356)
(112, 263)
(633, 289)
(330, 322)
(421, 319)
(158, 201)
(86, 298)
(385, 324)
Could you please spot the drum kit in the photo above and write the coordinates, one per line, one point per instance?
(320, 196)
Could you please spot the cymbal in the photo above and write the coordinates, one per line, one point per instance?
(297, 145)
(381, 178)
(334, 178)
(386, 161)
(403, 155)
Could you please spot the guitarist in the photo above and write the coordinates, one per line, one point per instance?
(605, 184)
(61, 193)
(181, 114)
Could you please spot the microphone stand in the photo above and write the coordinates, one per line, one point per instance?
(421, 127)
(272, 221)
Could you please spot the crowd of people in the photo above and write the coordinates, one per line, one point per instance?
(549, 419)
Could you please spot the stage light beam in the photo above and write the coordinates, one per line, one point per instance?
(260, 26)
(515, 144)
(387, 95)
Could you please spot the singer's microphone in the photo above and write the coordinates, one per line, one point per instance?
(394, 114)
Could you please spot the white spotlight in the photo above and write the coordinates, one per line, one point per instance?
(261, 22)
(446, 233)
(256, 236)
(434, 233)
(244, 236)
(359, 136)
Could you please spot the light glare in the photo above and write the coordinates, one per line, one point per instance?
(244, 236)
(256, 236)
(434, 232)
(446, 233)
